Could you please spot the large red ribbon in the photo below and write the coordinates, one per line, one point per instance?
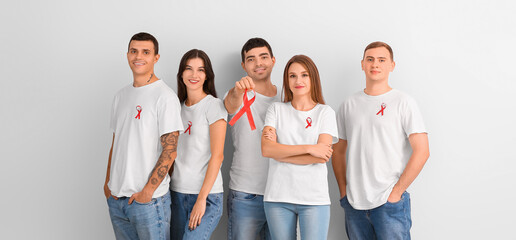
(245, 109)
(189, 130)
(381, 110)
(308, 122)
(139, 109)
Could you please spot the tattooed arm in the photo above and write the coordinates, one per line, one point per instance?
(166, 159)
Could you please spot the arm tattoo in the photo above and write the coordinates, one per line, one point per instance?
(169, 143)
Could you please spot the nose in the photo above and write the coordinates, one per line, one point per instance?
(195, 74)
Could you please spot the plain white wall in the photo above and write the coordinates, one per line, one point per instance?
(62, 62)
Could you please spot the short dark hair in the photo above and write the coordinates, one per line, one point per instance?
(143, 36)
(254, 43)
(209, 84)
(378, 44)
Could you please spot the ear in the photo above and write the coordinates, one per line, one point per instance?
(273, 61)
(243, 66)
(156, 58)
(362, 64)
(393, 65)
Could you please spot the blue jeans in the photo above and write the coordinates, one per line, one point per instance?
(314, 220)
(140, 220)
(388, 221)
(246, 217)
(182, 205)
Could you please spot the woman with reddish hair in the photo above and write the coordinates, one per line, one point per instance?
(298, 137)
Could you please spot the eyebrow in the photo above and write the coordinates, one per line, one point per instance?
(137, 49)
(301, 72)
(377, 57)
(261, 54)
(192, 67)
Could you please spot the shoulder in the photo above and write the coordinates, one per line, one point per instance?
(403, 97)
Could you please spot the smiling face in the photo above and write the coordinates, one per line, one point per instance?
(298, 80)
(141, 57)
(377, 64)
(258, 63)
(194, 74)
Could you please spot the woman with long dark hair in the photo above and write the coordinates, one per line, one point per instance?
(297, 137)
(196, 185)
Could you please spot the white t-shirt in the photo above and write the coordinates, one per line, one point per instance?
(249, 168)
(193, 151)
(140, 116)
(377, 130)
(293, 183)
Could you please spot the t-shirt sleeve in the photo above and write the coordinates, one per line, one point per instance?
(169, 114)
(329, 124)
(341, 122)
(112, 123)
(271, 117)
(411, 118)
(216, 111)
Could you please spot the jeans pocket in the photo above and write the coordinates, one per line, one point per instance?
(244, 196)
(399, 201)
(343, 201)
(152, 201)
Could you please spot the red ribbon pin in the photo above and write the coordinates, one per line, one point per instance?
(381, 110)
(308, 122)
(189, 130)
(245, 109)
(139, 109)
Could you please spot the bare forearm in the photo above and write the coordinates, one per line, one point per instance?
(338, 162)
(232, 101)
(165, 161)
(412, 170)
(109, 160)
(303, 159)
(276, 150)
(211, 176)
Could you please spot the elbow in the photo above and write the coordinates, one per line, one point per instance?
(265, 151)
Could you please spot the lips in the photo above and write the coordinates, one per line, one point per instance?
(299, 87)
(193, 81)
(375, 72)
(259, 70)
(139, 63)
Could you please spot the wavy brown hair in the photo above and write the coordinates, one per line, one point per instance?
(209, 84)
(313, 73)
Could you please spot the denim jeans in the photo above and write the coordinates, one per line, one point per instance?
(246, 217)
(314, 220)
(140, 220)
(182, 205)
(389, 221)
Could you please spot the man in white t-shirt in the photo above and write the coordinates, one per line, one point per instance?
(145, 120)
(383, 145)
(248, 174)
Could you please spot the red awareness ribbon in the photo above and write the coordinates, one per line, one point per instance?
(139, 109)
(245, 109)
(189, 130)
(308, 122)
(381, 110)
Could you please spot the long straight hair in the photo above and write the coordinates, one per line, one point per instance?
(313, 73)
(209, 84)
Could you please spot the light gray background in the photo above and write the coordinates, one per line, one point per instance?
(62, 62)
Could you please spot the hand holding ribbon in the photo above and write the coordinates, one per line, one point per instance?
(245, 109)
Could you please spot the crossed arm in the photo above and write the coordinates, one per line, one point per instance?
(296, 154)
(165, 161)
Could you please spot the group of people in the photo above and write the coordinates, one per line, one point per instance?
(163, 177)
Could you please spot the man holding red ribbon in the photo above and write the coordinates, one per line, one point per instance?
(145, 120)
(247, 104)
(382, 131)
